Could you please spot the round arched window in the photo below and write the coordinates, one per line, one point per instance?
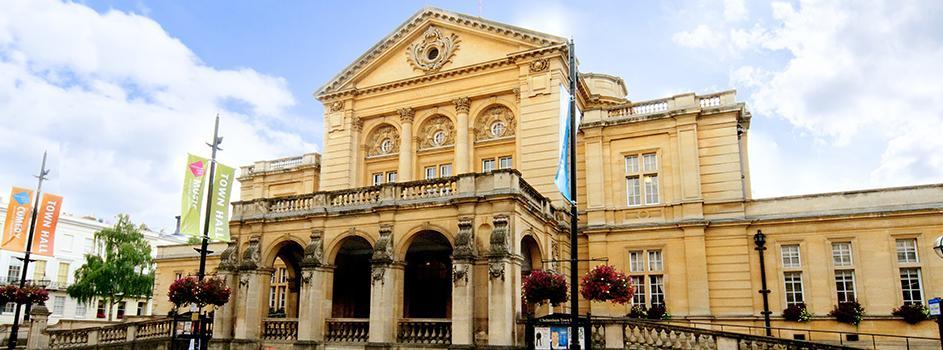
(498, 128)
(386, 145)
(432, 53)
(438, 138)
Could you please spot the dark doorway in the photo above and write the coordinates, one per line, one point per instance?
(428, 284)
(285, 281)
(351, 292)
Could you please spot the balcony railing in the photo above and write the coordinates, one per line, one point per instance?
(425, 331)
(280, 329)
(347, 330)
(114, 335)
(678, 102)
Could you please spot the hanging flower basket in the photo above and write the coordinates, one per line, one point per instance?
(604, 283)
(8, 293)
(544, 286)
(213, 291)
(191, 291)
(29, 294)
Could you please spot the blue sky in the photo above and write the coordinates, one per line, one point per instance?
(844, 94)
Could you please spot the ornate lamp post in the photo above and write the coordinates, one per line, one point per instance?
(759, 239)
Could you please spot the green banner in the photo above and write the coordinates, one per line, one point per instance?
(222, 188)
(192, 202)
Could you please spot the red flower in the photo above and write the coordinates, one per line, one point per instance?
(544, 286)
(190, 290)
(605, 283)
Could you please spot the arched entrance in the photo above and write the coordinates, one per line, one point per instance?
(351, 282)
(427, 292)
(532, 260)
(285, 281)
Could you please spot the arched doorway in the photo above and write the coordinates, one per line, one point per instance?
(427, 292)
(531, 260)
(351, 287)
(285, 281)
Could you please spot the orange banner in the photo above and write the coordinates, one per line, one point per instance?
(16, 225)
(44, 238)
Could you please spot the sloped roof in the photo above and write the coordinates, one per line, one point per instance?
(537, 38)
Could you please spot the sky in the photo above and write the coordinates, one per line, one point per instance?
(844, 94)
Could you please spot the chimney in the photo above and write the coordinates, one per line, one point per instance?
(177, 231)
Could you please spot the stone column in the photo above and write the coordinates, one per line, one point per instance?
(227, 270)
(463, 296)
(406, 145)
(311, 313)
(462, 155)
(500, 286)
(37, 337)
(251, 282)
(356, 178)
(383, 319)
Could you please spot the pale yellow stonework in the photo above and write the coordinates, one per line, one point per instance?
(492, 91)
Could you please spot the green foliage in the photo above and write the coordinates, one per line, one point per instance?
(120, 268)
(194, 240)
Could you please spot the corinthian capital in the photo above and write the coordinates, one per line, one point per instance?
(406, 114)
(462, 104)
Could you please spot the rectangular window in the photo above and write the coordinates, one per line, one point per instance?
(62, 277)
(8, 307)
(505, 163)
(911, 286)
(487, 165)
(639, 283)
(656, 283)
(845, 285)
(631, 165)
(633, 191)
(377, 179)
(841, 254)
(121, 308)
(39, 270)
(445, 170)
(650, 162)
(651, 189)
(80, 310)
(635, 262)
(58, 305)
(178, 275)
(641, 183)
(791, 256)
(141, 306)
(430, 172)
(907, 250)
(100, 313)
(391, 177)
(281, 298)
(654, 260)
(88, 246)
(793, 288)
(14, 270)
(271, 298)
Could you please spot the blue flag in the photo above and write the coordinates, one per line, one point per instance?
(562, 179)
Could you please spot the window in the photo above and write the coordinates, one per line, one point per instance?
(505, 163)
(841, 254)
(14, 270)
(445, 170)
(487, 165)
(377, 179)
(641, 182)
(646, 267)
(121, 307)
(80, 310)
(8, 307)
(88, 246)
(430, 172)
(911, 286)
(39, 270)
(793, 288)
(62, 277)
(390, 176)
(845, 285)
(141, 306)
(100, 313)
(58, 305)
(791, 256)
(907, 250)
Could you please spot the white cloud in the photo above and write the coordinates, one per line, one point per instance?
(122, 102)
(700, 37)
(735, 10)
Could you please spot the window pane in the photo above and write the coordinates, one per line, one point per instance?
(445, 170)
(635, 261)
(907, 250)
(633, 192)
(841, 254)
(80, 310)
(391, 177)
(793, 288)
(910, 285)
(631, 165)
(639, 283)
(654, 260)
(63, 277)
(791, 256)
(505, 163)
(58, 305)
(651, 189)
(487, 165)
(845, 285)
(650, 162)
(430, 172)
(657, 285)
(377, 179)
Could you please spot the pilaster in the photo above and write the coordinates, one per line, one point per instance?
(695, 259)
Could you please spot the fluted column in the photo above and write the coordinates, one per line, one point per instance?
(406, 145)
(462, 155)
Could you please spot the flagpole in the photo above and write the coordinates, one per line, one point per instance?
(206, 223)
(11, 344)
(574, 256)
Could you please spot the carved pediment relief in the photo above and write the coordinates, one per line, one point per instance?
(382, 141)
(437, 131)
(494, 123)
(433, 50)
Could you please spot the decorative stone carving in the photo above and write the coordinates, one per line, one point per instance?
(382, 141)
(539, 65)
(496, 270)
(436, 131)
(306, 277)
(433, 50)
(229, 258)
(462, 104)
(465, 240)
(499, 236)
(314, 251)
(383, 251)
(243, 280)
(252, 257)
(356, 124)
(494, 123)
(337, 106)
(406, 114)
(376, 274)
(460, 274)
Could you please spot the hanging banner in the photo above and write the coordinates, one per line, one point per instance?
(44, 238)
(562, 178)
(222, 188)
(16, 225)
(192, 201)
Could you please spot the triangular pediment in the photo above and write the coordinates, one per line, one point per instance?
(435, 40)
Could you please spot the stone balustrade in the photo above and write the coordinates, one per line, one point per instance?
(280, 329)
(674, 103)
(347, 330)
(280, 164)
(466, 186)
(425, 331)
(122, 333)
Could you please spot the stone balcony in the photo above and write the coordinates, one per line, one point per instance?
(678, 104)
(469, 187)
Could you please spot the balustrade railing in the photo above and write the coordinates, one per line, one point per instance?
(425, 331)
(68, 338)
(356, 196)
(154, 329)
(285, 163)
(650, 107)
(672, 103)
(426, 189)
(347, 330)
(709, 101)
(280, 329)
(113, 334)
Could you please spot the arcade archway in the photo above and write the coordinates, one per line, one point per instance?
(427, 291)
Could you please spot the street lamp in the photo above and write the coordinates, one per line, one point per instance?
(759, 239)
(938, 246)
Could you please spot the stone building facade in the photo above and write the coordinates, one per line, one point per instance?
(434, 196)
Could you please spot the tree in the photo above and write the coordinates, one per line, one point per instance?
(121, 267)
(194, 240)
